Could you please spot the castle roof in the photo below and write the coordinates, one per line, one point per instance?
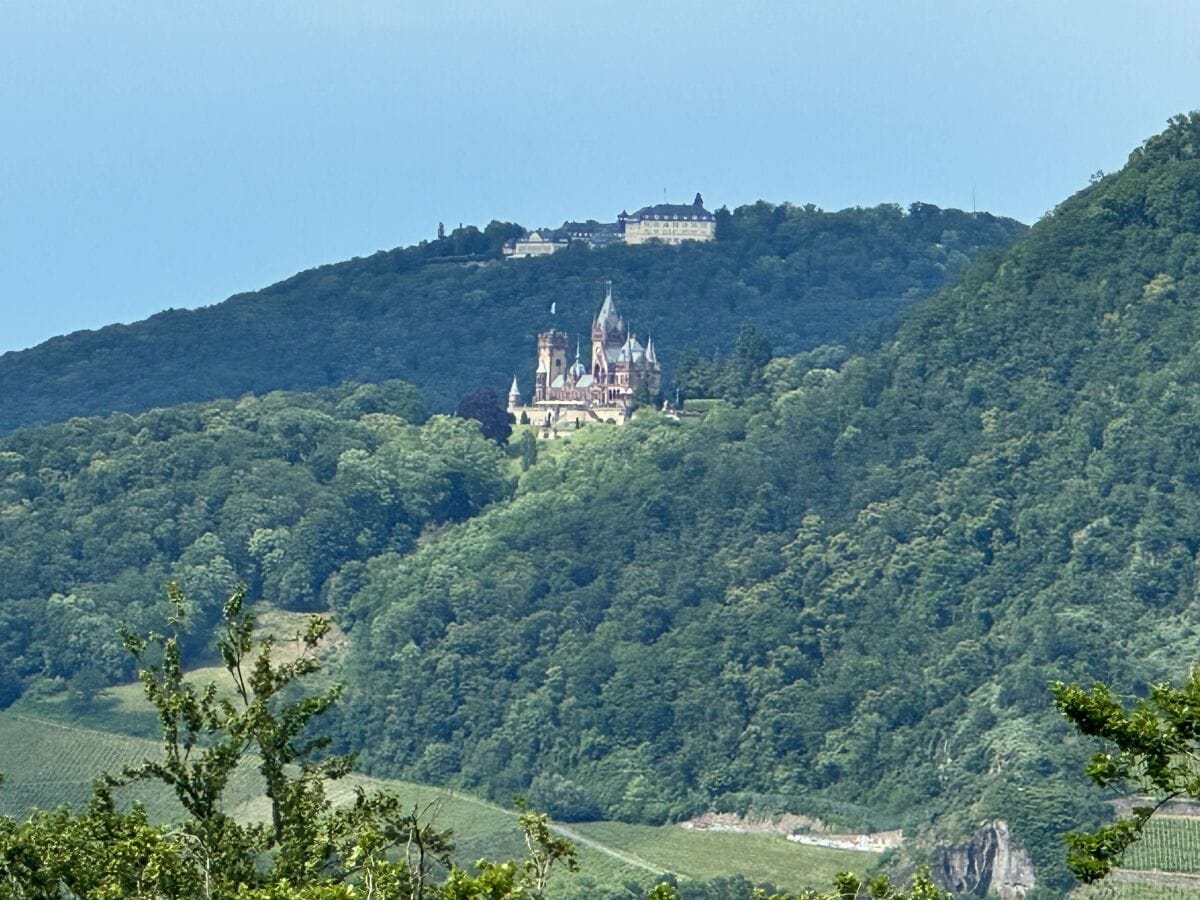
(514, 389)
(577, 368)
(651, 356)
(632, 351)
(607, 317)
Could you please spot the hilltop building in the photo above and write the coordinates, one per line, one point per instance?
(535, 243)
(671, 223)
(600, 390)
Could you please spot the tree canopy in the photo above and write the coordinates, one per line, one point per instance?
(292, 493)
(483, 406)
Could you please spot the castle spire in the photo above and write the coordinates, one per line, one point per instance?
(514, 395)
(651, 357)
(608, 311)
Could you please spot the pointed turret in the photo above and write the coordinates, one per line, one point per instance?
(651, 357)
(578, 369)
(608, 318)
(608, 334)
(631, 351)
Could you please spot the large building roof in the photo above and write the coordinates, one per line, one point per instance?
(632, 351)
(679, 211)
(582, 228)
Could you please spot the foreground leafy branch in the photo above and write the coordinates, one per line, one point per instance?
(1157, 750)
(845, 887)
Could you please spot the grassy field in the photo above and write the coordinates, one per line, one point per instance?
(46, 763)
(703, 854)
(49, 761)
(1155, 868)
(1170, 844)
(1126, 890)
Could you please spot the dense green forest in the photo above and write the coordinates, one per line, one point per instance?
(288, 492)
(849, 592)
(450, 315)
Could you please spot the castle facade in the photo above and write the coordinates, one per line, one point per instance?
(671, 223)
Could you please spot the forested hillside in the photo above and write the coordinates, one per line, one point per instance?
(842, 593)
(849, 593)
(288, 492)
(450, 315)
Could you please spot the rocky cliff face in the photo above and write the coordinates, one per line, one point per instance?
(990, 863)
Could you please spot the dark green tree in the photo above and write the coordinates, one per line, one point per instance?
(484, 406)
(642, 396)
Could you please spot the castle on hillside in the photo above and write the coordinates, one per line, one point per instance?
(671, 223)
(603, 390)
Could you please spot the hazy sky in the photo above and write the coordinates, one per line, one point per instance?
(158, 155)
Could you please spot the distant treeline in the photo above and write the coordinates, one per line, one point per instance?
(803, 276)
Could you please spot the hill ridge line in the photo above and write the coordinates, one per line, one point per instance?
(38, 720)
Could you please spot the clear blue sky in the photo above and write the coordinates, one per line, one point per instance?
(160, 155)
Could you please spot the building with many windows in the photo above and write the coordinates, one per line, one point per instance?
(670, 223)
(535, 243)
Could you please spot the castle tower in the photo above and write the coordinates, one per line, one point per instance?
(653, 371)
(577, 369)
(608, 335)
(514, 396)
(552, 363)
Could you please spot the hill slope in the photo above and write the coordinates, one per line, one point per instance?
(449, 324)
(48, 763)
(850, 593)
(288, 492)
